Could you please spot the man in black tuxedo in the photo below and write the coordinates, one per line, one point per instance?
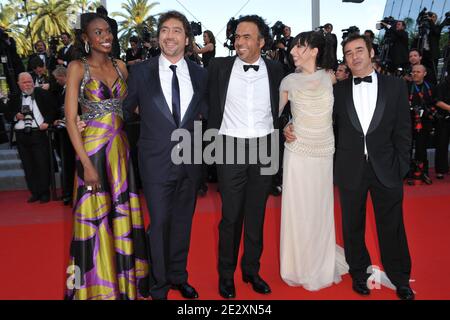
(372, 154)
(41, 52)
(373, 134)
(66, 53)
(39, 107)
(243, 101)
(170, 93)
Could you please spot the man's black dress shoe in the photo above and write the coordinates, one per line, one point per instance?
(226, 288)
(44, 199)
(405, 293)
(186, 290)
(32, 199)
(360, 287)
(258, 284)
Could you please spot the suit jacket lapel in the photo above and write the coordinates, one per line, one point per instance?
(380, 107)
(351, 110)
(195, 97)
(156, 92)
(273, 89)
(224, 80)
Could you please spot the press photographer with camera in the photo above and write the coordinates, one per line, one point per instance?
(208, 51)
(31, 112)
(282, 45)
(10, 60)
(398, 52)
(442, 127)
(429, 35)
(423, 112)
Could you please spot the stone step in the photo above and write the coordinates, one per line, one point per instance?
(13, 164)
(9, 154)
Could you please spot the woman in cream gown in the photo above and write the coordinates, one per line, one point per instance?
(308, 251)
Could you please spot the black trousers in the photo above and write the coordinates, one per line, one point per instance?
(421, 140)
(66, 153)
(244, 192)
(171, 208)
(442, 142)
(34, 152)
(387, 203)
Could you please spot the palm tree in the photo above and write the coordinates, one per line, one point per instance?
(9, 14)
(136, 20)
(50, 18)
(83, 6)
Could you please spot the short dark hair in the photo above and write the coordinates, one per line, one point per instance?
(35, 62)
(416, 50)
(354, 37)
(263, 28)
(372, 35)
(347, 69)
(67, 34)
(328, 25)
(178, 16)
(134, 39)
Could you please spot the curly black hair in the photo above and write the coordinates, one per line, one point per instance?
(263, 28)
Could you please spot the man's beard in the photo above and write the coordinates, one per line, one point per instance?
(29, 91)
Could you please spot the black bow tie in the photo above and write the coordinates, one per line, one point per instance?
(25, 95)
(250, 66)
(365, 79)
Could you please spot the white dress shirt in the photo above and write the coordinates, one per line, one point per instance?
(184, 80)
(248, 112)
(365, 97)
(36, 113)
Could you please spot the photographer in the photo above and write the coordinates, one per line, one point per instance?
(342, 72)
(422, 111)
(31, 111)
(371, 36)
(134, 54)
(328, 30)
(442, 127)
(398, 54)
(209, 48)
(66, 53)
(283, 45)
(10, 60)
(415, 58)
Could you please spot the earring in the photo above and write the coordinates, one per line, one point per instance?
(86, 47)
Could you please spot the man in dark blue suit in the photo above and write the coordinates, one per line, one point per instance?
(169, 92)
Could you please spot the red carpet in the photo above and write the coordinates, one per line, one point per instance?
(35, 240)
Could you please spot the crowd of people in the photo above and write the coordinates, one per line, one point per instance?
(112, 124)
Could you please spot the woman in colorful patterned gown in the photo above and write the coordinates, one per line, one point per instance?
(108, 254)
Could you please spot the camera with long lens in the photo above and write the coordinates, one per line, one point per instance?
(196, 28)
(278, 30)
(231, 34)
(348, 32)
(424, 21)
(28, 118)
(386, 20)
